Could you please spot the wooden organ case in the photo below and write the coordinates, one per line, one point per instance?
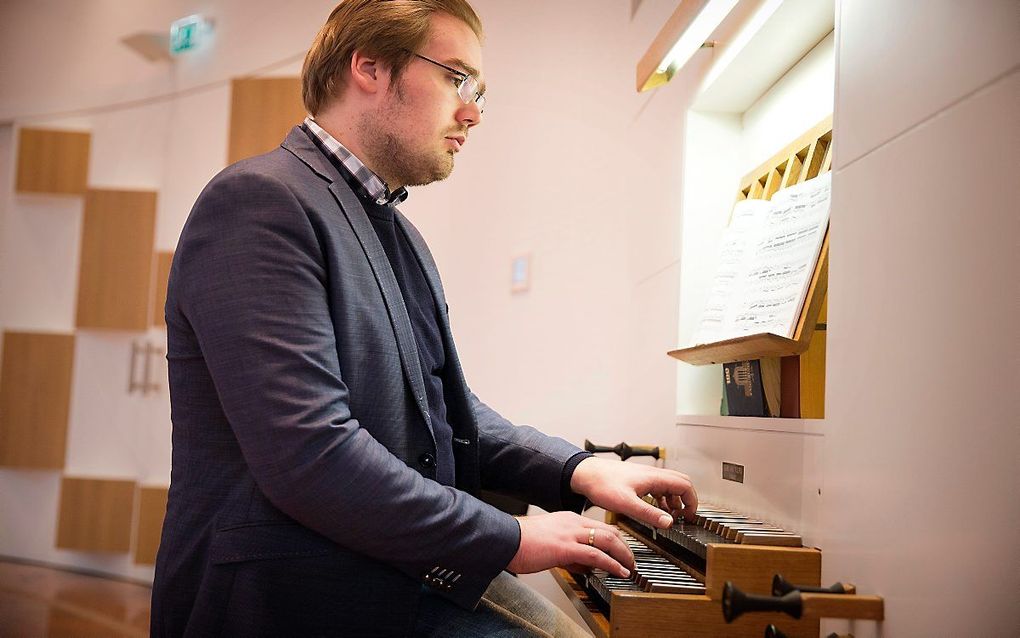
(710, 552)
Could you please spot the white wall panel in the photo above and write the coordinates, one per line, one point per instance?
(196, 149)
(111, 432)
(39, 255)
(713, 148)
(649, 380)
(129, 147)
(920, 490)
(900, 62)
(781, 481)
(28, 501)
(800, 99)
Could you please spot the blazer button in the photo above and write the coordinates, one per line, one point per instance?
(427, 461)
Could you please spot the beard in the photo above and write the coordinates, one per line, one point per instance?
(395, 158)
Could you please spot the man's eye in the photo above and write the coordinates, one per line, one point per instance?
(456, 80)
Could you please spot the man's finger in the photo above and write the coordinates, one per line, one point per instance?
(670, 483)
(612, 529)
(617, 548)
(646, 512)
(686, 507)
(597, 559)
(608, 540)
(685, 500)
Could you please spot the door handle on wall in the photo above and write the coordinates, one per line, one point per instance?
(146, 384)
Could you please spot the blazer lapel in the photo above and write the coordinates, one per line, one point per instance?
(428, 266)
(303, 148)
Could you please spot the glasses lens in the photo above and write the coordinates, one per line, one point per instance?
(467, 89)
(468, 92)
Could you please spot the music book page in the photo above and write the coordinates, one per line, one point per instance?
(767, 258)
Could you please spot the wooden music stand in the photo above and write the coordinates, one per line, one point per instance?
(805, 158)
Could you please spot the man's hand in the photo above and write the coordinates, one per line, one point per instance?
(618, 487)
(561, 539)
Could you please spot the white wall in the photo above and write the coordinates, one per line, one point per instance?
(801, 98)
(922, 440)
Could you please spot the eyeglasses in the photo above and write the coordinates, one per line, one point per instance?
(467, 85)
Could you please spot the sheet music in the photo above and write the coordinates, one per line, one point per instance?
(767, 258)
(734, 251)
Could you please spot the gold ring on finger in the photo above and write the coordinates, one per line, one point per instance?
(591, 536)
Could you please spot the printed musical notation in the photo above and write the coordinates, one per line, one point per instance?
(767, 257)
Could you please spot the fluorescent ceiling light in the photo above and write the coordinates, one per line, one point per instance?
(738, 43)
(693, 37)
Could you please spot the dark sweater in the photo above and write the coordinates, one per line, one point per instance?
(421, 309)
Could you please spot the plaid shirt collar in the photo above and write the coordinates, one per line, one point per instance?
(373, 185)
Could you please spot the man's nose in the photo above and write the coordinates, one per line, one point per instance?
(469, 115)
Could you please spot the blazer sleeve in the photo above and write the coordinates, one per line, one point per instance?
(525, 463)
(250, 278)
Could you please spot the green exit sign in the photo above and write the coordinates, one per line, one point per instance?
(187, 33)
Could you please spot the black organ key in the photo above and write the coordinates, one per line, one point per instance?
(719, 525)
(731, 531)
(603, 585)
(677, 588)
(652, 572)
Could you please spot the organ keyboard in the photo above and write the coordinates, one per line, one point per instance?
(677, 585)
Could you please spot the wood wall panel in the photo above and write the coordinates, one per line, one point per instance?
(812, 378)
(95, 514)
(262, 112)
(52, 162)
(35, 398)
(162, 270)
(151, 510)
(115, 275)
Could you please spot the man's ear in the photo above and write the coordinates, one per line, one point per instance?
(368, 73)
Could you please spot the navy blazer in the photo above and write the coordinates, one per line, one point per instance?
(301, 499)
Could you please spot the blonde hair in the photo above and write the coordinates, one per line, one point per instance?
(389, 30)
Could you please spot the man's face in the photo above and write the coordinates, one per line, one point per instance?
(421, 122)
